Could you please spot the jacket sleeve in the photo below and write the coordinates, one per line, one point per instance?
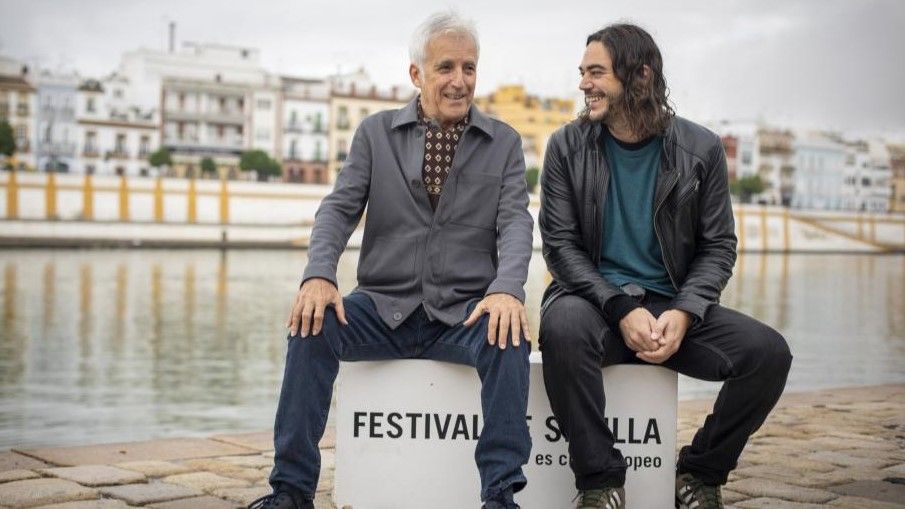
(568, 259)
(339, 212)
(514, 228)
(715, 241)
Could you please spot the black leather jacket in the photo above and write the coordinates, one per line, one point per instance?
(693, 219)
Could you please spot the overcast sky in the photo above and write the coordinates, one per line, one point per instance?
(818, 63)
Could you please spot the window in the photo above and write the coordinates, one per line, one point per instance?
(342, 118)
(120, 144)
(90, 143)
(89, 105)
(263, 104)
(362, 113)
(746, 157)
(181, 102)
(293, 149)
(144, 146)
(262, 133)
(118, 93)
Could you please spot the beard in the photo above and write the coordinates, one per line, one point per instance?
(615, 110)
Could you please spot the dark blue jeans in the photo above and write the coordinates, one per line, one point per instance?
(312, 364)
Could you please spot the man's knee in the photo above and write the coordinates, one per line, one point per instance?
(570, 327)
(767, 350)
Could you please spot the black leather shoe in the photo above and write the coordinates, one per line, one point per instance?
(282, 498)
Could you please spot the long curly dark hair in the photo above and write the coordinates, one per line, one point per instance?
(645, 103)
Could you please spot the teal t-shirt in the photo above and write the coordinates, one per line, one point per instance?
(631, 253)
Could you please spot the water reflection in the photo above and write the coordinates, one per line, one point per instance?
(126, 345)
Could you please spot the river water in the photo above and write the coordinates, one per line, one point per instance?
(119, 345)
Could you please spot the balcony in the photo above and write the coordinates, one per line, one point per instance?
(117, 153)
(343, 124)
(90, 151)
(22, 145)
(58, 149)
(22, 110)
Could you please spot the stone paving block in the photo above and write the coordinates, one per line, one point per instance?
(243, 496)
(863, 503)
(141, 494)
(224, 468)
(17, 475)
(259, 461)
(205, 502)
(773, 503)
(874, 490)
(96, 475)
(165, 450)
(856, 443)
(34, 492)
(896, 470)
(104, 503)
(731, 497)
(768, 488)
(258, 441)
(205, 481)
(847, 460)
(153, 468)
(824, 480)
(324, 502)
(10, 460)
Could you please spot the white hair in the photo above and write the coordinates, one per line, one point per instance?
(440, 23)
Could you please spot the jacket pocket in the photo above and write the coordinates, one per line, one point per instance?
(388, 261)
(477, 200)
(687, 192)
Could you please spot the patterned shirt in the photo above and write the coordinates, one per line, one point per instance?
(439, 148)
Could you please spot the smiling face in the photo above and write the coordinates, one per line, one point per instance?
(603, 92)
(447, 78)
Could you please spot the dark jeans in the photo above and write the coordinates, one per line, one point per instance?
(750, 357)
(312, 364)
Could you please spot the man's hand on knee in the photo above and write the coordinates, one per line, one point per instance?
(312, 299)
(639, 330)
(671, 326)
(507, 316)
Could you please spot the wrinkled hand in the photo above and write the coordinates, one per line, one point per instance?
(507, 316)
(639, 331)
(672, 326)
(310, 302)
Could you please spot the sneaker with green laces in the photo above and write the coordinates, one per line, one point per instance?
(692, 493)
(607, 498)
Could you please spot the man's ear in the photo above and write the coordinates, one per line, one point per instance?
(415, 75)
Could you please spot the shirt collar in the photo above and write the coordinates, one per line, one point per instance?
(409, 115)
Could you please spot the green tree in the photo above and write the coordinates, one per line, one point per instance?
(208, 165)
(160, 158)
(746, 187)
(7, 139)
(259, 161)
(532, 175)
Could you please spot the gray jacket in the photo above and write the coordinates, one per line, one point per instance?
(477, 242)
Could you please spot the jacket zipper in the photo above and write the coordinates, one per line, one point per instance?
(667, 260)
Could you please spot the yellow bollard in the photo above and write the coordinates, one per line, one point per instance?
(50, 196)
(87, 200)
(158, 200)
(193, 202)
(123, 199)
(224, 202)
(786, 233)
(763, 228)
(740, 217)
(12, 196)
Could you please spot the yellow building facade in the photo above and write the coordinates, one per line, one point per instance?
(534, 118)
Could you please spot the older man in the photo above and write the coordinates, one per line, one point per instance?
(443, 263)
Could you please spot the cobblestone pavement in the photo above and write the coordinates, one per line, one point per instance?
(837, 448)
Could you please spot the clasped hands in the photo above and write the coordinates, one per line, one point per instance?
(507, 314)
(652, 339)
